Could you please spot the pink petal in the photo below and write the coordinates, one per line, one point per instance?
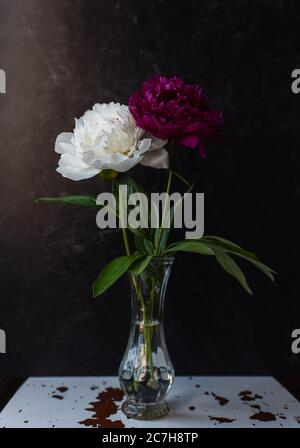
(190, 140)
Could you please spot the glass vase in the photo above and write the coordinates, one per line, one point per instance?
(146, 373)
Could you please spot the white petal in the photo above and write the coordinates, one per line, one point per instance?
(117, 162)
(63, 143)
(144, 145)
(74, 169)
(157, 143)
(156, 159)
(76, 162)
(73, 174)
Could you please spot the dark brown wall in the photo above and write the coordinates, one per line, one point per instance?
(62, 56)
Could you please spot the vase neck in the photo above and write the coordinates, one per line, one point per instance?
(148, 292)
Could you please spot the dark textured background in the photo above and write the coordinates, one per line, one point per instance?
(62, 56)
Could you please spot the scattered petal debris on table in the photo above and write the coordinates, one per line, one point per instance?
(195, 402)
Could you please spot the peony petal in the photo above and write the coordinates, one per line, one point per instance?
(76, 162)
(63, 143)
(157, 143)
(69, 172)
(144, 145)
(117, 162)
(190, 140)
(73, 168)
(156, 159)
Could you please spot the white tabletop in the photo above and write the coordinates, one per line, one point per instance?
(195, 402)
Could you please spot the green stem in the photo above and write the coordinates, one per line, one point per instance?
(186, 182)
(147, 313)
(124, 231)
(170, 175)
(126, 243)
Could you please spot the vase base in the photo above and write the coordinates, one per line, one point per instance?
(145, 412)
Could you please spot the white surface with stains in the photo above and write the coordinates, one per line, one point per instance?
(192, 400)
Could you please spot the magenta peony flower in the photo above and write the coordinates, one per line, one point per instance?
(169, 108)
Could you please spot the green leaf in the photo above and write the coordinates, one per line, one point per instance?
(219, 243)
(161, 235)
(190, 246)
(228, 245)
(112, 272)
(132, 187)
(185, 181)
(140, 265)
(143, 245)
(261, 266)
(88, 201)
(230, 266)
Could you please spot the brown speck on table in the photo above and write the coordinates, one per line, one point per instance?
(62, 389)
(192, 408)
(263, 416)
(255, 406)
(222, 401)
(223, 419)
(58, 397)
(247, 395)
(103, 408)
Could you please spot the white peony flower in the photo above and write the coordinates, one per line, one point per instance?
(107, 137)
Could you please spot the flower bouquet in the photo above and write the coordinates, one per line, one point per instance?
(109, 141)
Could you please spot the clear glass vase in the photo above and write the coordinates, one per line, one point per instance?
(146, 373)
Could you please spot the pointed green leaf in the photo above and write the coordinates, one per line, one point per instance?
(230, 266)
(261, 266)
(140, 265)
(143, 245)
(132, 187)
(219, 243)
(161, 235)
(228, 245)
(112, 272)
(88, 201)
(190, 246)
